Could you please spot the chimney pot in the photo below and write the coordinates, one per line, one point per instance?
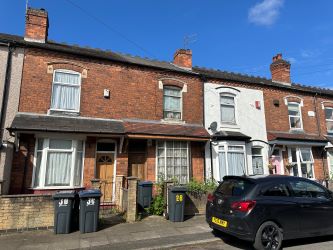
(36, 25)
(183, 58)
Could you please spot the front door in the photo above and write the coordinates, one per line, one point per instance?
(105, 170)
(277, 163)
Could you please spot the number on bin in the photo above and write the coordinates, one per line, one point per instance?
(63, 202)
(91, 202)
(179, 198)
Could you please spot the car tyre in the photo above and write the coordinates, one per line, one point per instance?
(268, 237)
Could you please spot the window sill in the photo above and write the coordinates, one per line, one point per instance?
(172, 121)
(230, 125)
(63, 112)
(55, 188)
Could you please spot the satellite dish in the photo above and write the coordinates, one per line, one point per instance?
(213, 126)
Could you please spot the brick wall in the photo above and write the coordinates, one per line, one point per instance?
(129, 86)
(20, 212)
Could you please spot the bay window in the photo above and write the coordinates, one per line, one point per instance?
(302, 161)
(58, 163)
(227, 103)
(231, 160)
(295, 117)
(172, 103)
(173, 160)
(329, 119)
(66, 88)
(257, 161)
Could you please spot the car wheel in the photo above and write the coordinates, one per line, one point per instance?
(268, 237)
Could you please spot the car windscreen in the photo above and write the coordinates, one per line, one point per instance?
(234, 187)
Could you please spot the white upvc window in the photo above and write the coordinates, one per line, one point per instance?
(257, 161)
(302, 161)
(231, 160)
(227, 102)
(66, 91)
(173, 161)
(329, 119)
(172, 103)
(295, 115)
(58, 163)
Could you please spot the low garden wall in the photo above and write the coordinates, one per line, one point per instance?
(22, 212)
(195, 204)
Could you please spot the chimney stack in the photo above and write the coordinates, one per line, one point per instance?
(280, 70)
(36, 25)
(183, 58)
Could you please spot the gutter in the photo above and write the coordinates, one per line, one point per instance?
(5, 91)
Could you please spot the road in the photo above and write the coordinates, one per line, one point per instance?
(230, 243)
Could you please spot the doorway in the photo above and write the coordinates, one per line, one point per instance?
(277, 162)
(137, 158)
(106, 169)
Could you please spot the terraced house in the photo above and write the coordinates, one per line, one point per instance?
(298, 121)
(87, 116)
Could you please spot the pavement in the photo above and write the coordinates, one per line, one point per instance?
(153, 232)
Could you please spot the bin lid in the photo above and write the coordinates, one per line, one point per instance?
(65, 194)
(90, 193)
(145, 183)
(178, 188)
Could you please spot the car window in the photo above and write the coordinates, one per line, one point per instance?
(307, 189)
(278, 189)
(234, 187)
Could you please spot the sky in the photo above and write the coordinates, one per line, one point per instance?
(234, 35)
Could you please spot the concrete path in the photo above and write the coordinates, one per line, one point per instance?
(151, 233)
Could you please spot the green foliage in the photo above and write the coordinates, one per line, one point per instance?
(197, 189)
(157, 206)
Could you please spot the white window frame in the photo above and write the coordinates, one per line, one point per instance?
(300, 115)
(258, 155)
(42, 170)
(180, 99)
(300, 160)
(328, 120)
(67, 84)
(225, 149)
(235, 108)
(165, 160)
(330, 162)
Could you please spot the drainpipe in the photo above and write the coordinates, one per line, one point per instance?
(5, 91)
(211, 160)
(203, 80)
(319, 133)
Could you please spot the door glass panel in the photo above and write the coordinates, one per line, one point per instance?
(307, 189)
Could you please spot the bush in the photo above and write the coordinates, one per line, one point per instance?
(197, 189)
(157, 206)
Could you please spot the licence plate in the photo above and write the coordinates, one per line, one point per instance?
(219, 222)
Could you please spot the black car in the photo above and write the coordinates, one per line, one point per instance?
(266, 210)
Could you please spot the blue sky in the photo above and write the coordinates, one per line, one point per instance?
(234, 35)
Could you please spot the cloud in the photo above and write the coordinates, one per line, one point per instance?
(266, 12)
(292, 60)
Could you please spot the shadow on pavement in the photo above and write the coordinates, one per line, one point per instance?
(306, 241)
(233, 241)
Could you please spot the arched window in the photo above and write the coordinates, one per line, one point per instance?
(227, 102)
(172, 103)
(295, 115)
(66, 88)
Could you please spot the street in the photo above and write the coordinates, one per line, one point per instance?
(231, 243)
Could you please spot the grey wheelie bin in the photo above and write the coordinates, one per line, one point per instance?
(176, 203)
(145, 193)
(89, 210)
(64, 203)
